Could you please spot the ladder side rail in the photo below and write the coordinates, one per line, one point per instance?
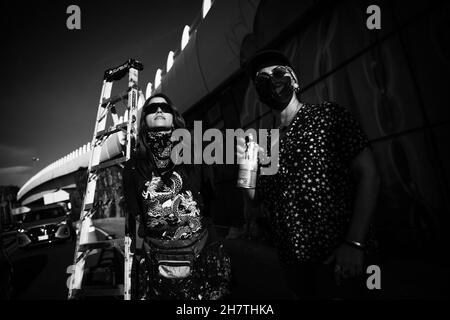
(94, 160)
(86, 227)
(78, 266)
(130, 228)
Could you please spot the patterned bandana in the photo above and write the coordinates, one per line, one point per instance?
(161, 146)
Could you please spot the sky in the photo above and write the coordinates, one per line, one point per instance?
(51, 76)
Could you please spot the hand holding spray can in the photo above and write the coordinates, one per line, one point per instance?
(249, 165)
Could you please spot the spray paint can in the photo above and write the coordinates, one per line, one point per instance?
(249, 166)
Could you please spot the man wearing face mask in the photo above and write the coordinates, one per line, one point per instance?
(323, 196)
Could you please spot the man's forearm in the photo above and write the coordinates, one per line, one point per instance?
(364, 206)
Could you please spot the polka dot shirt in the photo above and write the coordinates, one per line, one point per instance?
(310, 199)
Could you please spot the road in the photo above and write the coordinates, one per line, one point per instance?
(40, 272)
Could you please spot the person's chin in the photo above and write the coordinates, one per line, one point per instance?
(161, 125)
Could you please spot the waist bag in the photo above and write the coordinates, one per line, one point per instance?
(175, 258)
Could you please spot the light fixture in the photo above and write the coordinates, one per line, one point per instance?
(185, 36)
(169, 61)
(149, 90)
(158, 78)
(205, 7)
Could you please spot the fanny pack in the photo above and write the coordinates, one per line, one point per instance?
(175, 258)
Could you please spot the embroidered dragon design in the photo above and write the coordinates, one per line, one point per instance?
(166, 206)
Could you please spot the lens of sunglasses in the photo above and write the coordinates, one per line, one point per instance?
(279, 72)
(153, 108)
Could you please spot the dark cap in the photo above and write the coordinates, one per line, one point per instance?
(264, 59)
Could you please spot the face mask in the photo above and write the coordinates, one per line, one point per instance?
(275, 89)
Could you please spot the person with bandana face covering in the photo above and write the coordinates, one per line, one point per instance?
(184, 259)
(322, 199)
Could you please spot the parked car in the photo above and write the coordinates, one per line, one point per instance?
(6, 273)
(46, 224)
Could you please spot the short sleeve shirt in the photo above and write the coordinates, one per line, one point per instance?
(310, 198)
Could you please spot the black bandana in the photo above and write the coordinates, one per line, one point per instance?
(160, 145)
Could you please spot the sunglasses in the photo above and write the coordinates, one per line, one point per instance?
(153, 108)
(265, 82)
(277, 73)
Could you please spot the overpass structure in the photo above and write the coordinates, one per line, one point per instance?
(59, 175)
(208, 55)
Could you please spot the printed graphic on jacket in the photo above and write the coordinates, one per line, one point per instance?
(174, 215)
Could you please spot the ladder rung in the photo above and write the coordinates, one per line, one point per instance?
(99, 245)
(88, 207)
(100, 291)
(109, 163)
(114, 99)
(117, 128)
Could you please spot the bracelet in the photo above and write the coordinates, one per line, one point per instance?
(355, 244)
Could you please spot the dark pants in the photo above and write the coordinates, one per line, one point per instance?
(317, 281)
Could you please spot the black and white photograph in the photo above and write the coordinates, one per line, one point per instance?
(246, 152)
